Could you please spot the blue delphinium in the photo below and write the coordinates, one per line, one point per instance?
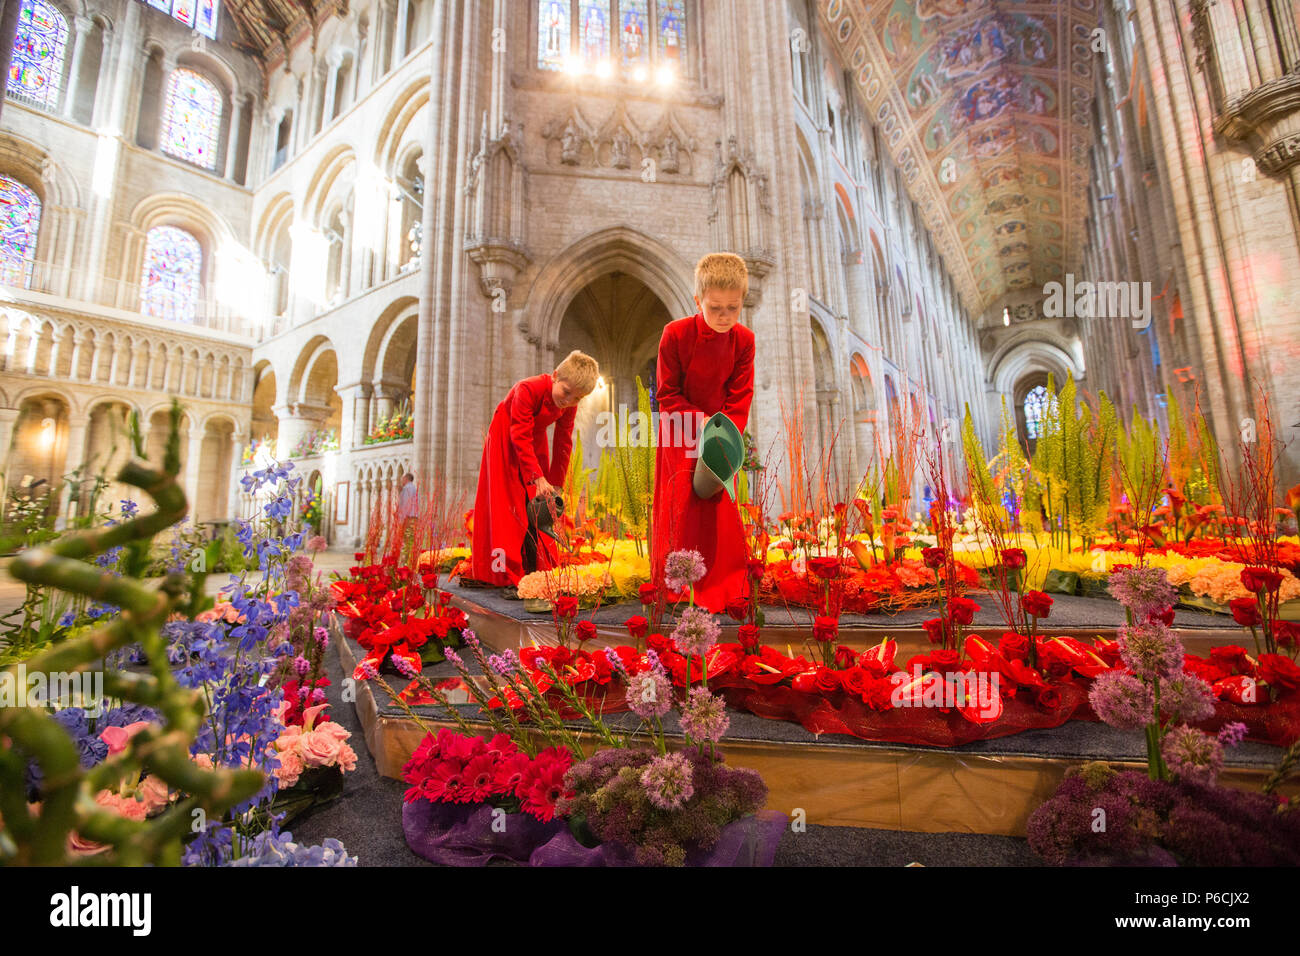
(279, 849)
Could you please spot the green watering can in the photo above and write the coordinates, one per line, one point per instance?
(721, 453)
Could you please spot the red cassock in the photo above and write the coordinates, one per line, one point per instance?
(700, 373)
(514, 455)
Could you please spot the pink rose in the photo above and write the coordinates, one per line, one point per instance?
(319, 749)
(337, 731)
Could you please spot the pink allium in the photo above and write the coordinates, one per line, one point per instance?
(1151, 650)
(667, 781)
(649, 694)
(682, 569)
(696, 631)
(704, 716)
(1122, 700)
(1186, 699)
(1192, 755)
(1142, 590)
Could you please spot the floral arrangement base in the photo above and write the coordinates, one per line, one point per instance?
(463, 834)
(316, 785)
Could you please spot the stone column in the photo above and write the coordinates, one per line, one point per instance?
(74, 459)
(8, 419)
(78, 337)
(236, 125)
(399, 35)
(233, 487)
(331, 86)
(193, 453)
(84, 27)
(383, 33)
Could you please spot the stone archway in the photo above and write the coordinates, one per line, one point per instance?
(618, 320)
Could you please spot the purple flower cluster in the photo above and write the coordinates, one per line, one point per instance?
(1122, 700)
(667, 781)
(1151, 650)
(682, 569)
(505, 663)
(649, 694)
(1143, 590)
(1192, 755)
(696, 631)
(704, 717)
(1186, 699)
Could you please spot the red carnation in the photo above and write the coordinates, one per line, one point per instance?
(585, 630)
(637, 625)
(1036, 603)
(1245, 611)
(1260, 579)
(566, 605)
(962, 610)
(824, 567)
(826, 628)
(933, 557)
(748, 636)
(1014, 558)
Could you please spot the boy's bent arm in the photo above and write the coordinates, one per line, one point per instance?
(668, 394)
(521, 434)
(740, 387)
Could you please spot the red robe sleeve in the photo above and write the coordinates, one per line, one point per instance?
(669, 375)
(562, 447)
(738, 393)
(523, 406)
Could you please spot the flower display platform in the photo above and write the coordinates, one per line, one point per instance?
(505, 623)
(989, 787)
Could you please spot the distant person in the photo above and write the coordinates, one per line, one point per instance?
(408, 506)
(517, 466)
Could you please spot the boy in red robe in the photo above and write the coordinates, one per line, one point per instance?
(517, 467)
(706, 366)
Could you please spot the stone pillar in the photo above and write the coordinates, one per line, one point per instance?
(78, 337)
(74, 459)
(193, 453)
(383, 35)
(233, 487)
(331, 87)
(236, 125)
(399, 34)
(8, 418)
(84, 27)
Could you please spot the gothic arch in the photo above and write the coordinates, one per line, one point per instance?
(618, 248)
(1013, 363)
(405, 106)
(308, 357)
(329, 174)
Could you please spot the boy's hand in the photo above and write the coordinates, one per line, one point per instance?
(544, 487)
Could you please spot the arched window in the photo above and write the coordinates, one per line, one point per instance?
(200, 15)
(36, 71)
(613, 34)
(20, 219)
(191, 122)
(1035, 405)
(169, 286)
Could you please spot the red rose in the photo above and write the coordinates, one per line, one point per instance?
(845, 657)
(1014, 558)
(825, 628)
(1047, 698)
(1278, 671)
(873, 667)
(1286, 633)
(658, 643)
(1245, 611)
(637, 625)
(748, 636)
(1036, 603)
(1232, 658)
(934, 628)
(566, 605)
(585, 630)
(1013, 646)
(738, 609)
(602, 667)
(879, 693)
(824, 567)
(358, 556)
(962, 610)
(647, 593)
(827, 681)
(756, 567)
(1260, 579)
(945, 661)
(854, 681)
(933, 557)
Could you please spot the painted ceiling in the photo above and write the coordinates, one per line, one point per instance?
(267, 28)
(984, 105)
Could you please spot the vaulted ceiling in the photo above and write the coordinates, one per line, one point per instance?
(985, 107)
(268, 28)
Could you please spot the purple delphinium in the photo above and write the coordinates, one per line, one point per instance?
(682, 569)
(696, 631)
(1122, 700)
(1143, 590)
(704, 717)
(649, 694)
(1151, 650)
(1192, 755)
(1185, 699)
(667, 781)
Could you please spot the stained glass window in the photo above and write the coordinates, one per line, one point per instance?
(36, 70)
(634, 32)
(20, 219)
(192, 119)
(200, 15)
(672, 32)
(1036, 403)
(169, 287)
(552, 34)
(593, 27)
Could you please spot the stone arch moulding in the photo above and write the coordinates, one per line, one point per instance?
(239, 430)
(322, 186)
(1033, 355)
(404, 107)
(618, 248)
(308, 356)
(36, 391)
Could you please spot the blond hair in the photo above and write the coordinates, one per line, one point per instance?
(580, 370)
(721, 270)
